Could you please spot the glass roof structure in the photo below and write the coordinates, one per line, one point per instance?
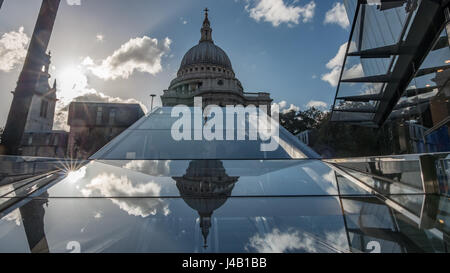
(396, 53)
(146, 192)
(151, 138)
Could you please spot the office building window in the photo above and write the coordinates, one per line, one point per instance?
(99, 114)
(112, 116)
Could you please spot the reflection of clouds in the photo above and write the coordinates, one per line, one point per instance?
(339, 239)
(74, 176)
(109, 185)
(153, 167)
(280, 242)
(98, 215)
(14, 216)
(325, 181)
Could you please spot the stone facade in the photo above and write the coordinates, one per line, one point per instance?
(206, 72)
(93, 124)
(45, 144)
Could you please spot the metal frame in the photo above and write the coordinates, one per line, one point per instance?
(420, 35)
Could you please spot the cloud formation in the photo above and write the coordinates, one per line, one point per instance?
(295, 241)
(317, 104)
(110, 185)
(335, 65)
(73, 2)
(337, 15)
(285, 108)
(13, 49)
(142, 54)
(277, 12)
(99, 37)
(73, 86)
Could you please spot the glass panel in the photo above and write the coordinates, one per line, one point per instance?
(357, 89)
(148, 140)
(173, 225)
(356, 105)
(179, 177)
(350, 116)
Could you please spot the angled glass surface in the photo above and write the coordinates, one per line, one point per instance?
(152, 138)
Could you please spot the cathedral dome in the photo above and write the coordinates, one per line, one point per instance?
(206, 52)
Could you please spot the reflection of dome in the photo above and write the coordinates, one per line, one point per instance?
(205, 187)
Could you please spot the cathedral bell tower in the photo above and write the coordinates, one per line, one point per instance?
(33, 103)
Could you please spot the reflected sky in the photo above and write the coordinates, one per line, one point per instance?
(239, 206)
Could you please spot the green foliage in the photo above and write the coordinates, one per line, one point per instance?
(339, 139)
(299, 121)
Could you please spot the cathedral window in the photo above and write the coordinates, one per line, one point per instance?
(220, 82)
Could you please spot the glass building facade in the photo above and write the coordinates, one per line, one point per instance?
(396, 71)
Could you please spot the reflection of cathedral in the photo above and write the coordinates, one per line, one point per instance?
(205, 187)
(206, 72)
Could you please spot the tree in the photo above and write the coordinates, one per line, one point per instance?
(299, 121)
(335, 139)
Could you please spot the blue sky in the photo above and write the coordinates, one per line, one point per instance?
(275, 46)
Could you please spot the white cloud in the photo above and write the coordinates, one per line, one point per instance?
(152, 167)
(142, 54)
(284, 108)
(14, 216)
(317, 104)
(335, 64)
(339, 58)
(73, 86)
(99, 37)
(337, 15)
(74, 2)
(332, 77)
(281, 242)
(356, 71)
(109, 185)
(13, 49)
(277, 12)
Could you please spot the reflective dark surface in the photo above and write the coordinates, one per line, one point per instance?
(219, 206)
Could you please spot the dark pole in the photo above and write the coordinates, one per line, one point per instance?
(151, 107)
(18, 112)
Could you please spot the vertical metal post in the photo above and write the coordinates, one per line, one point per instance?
(151, 106)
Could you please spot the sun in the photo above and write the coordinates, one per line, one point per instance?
(72, 82)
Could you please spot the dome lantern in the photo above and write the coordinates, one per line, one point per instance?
(206, 30)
